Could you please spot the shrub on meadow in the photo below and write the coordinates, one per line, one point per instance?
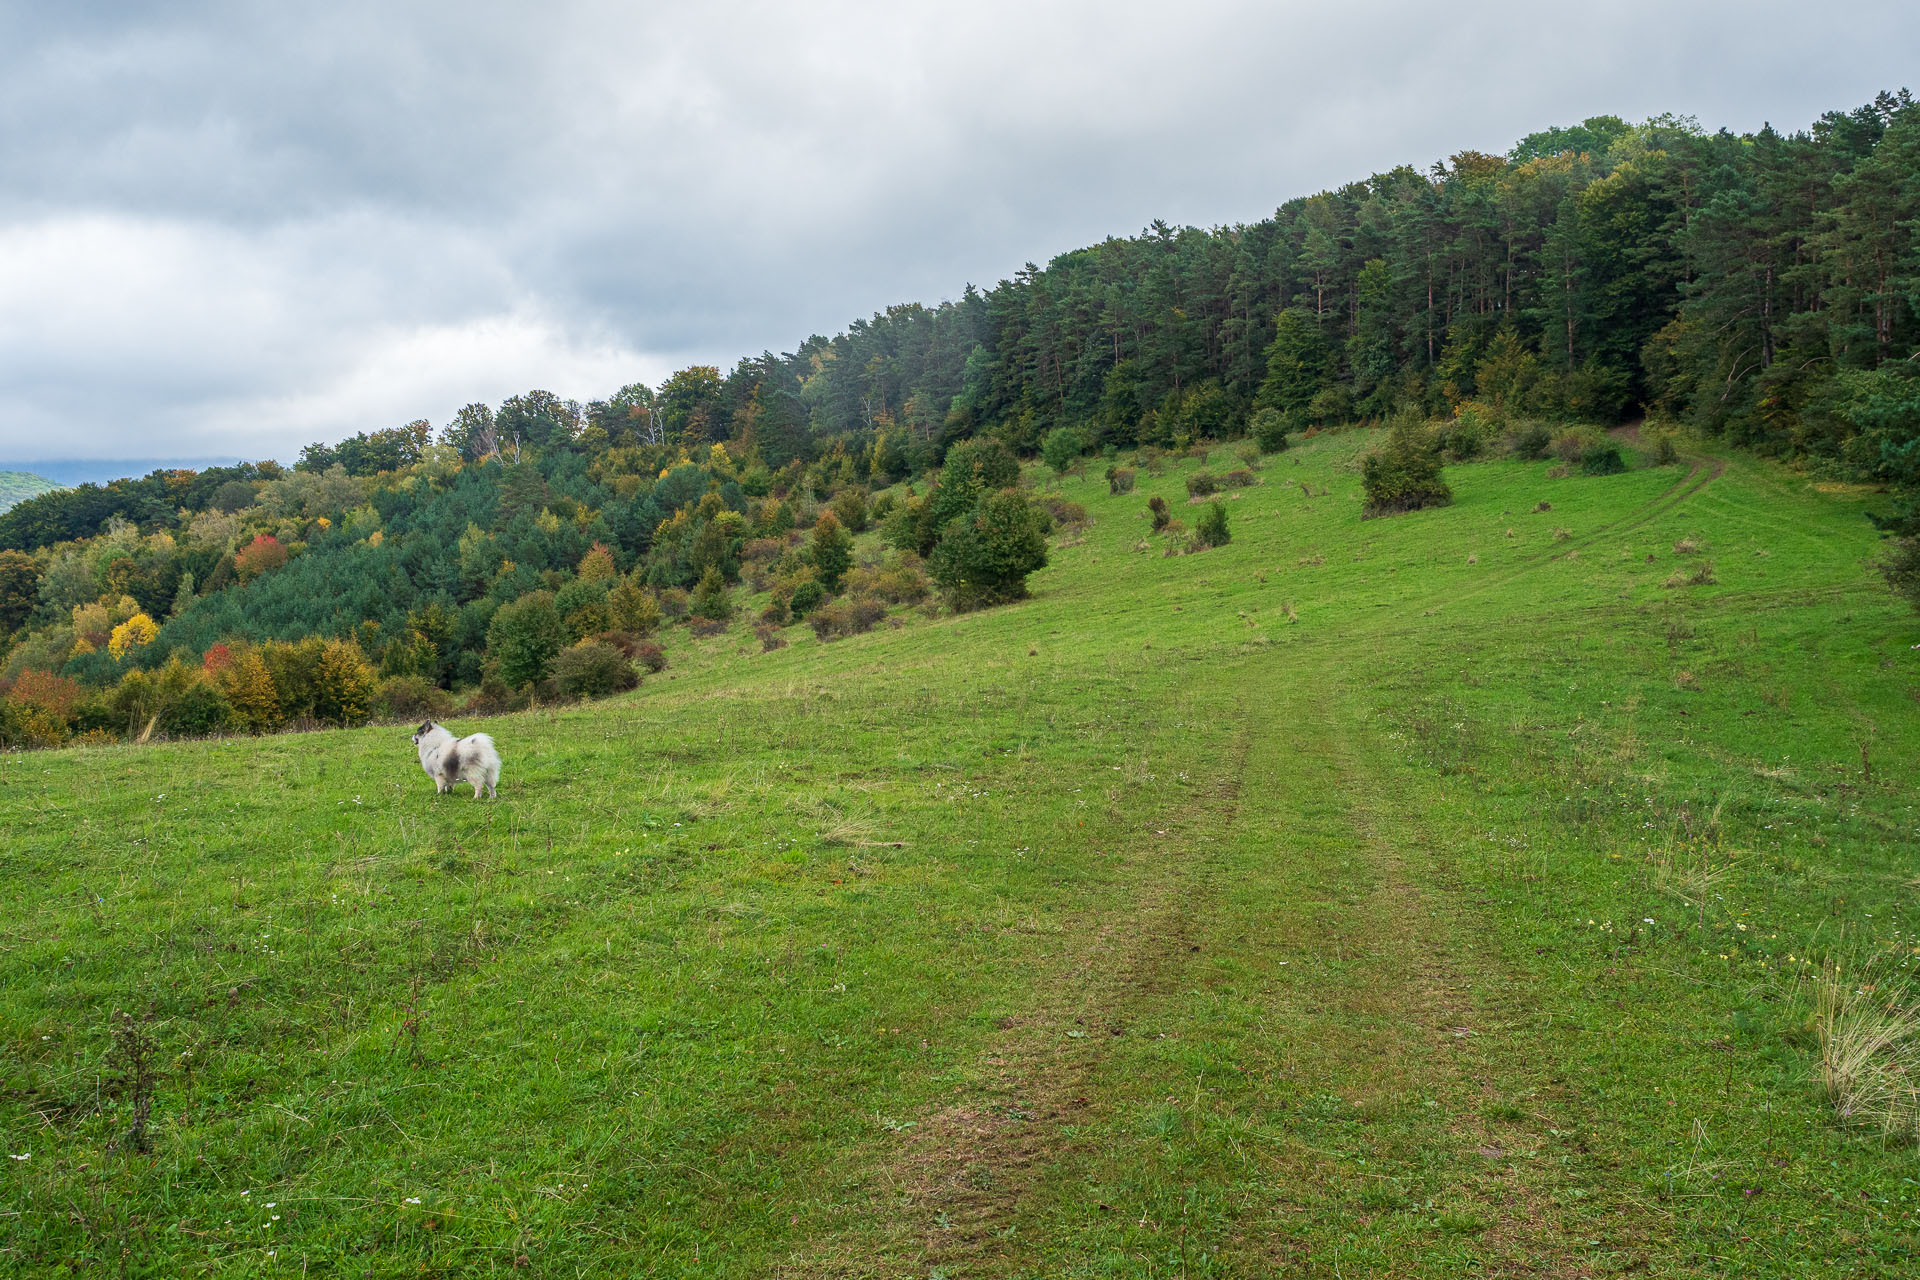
(1530, 441)
(847, 617)
(712, 601)
(984, 559)
(410, 697)
(808, 595)
(1269, 430)
(1120, 480)
(631, 607)
(1157, 505)
(831, 550)
(1404, 473)
(593, 669)
(649, 655)
(524, 638)
(1202, 484)
(1602, 459)
(1211, 530)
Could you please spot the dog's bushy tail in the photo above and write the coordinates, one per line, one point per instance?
(480, 751)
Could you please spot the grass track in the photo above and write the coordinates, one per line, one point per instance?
(1133, 930)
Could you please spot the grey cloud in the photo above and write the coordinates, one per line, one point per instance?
(233, 228)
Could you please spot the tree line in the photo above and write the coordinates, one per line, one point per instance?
(1760, 287)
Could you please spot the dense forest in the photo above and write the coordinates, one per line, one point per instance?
(1761, 288)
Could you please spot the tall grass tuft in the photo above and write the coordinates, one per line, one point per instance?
(1869, 1052)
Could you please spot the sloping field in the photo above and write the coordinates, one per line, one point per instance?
(1429, 896)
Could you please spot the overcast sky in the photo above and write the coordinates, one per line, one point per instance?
(230, 229)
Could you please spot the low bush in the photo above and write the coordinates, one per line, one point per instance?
(846, 618)
(1120, 480)
(411, 698)
(593, 669)
(807, 597)
(1530, 441)
(1571, 445)
(1202, 483)
(650, 655)
(1403, 474)
(1602, 459)
(771, 637)
(1211, 529)
(1064, 513)
(899, 582)
(1237, 479)
(1269, 430)
(1158, 506)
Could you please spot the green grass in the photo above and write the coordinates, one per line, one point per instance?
(18, 486)
(1329, 903)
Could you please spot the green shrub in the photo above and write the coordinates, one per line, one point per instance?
(1119, 480)
(1602, 460)
(650, 655)
(1062, 448)
(593, 669)
(1269, 430)
(1158, 506)
(984, 559)
(711, 599)
(1202, 483)
(1211, 529)
(832, 551)
(411, 697)
(178, 700)
(631, 607)
(1404, 473)
(850, 508)
(1330, 406)
(1531, 441)
(523, 639)
(807, 597)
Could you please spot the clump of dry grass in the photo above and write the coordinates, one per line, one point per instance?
(1561, 535)
(1869, 1051)
(1690, 874)
(1689, 546)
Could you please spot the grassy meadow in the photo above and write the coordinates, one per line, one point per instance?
(1438, 895)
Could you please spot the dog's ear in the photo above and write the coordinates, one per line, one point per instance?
(423, 730)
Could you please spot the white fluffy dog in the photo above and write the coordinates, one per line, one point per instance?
(449, 760)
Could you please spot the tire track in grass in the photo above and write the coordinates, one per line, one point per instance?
(959, 1181)
(1687, 486)
(1316, 1096)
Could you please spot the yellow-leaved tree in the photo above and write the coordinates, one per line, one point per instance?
(131, 634)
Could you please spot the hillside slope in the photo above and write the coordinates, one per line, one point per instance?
(1397, 897)
(18, 486)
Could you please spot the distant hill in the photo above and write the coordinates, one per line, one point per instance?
(18, 486)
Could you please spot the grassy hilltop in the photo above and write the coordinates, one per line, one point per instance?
(18, 486)
(1428, 895)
